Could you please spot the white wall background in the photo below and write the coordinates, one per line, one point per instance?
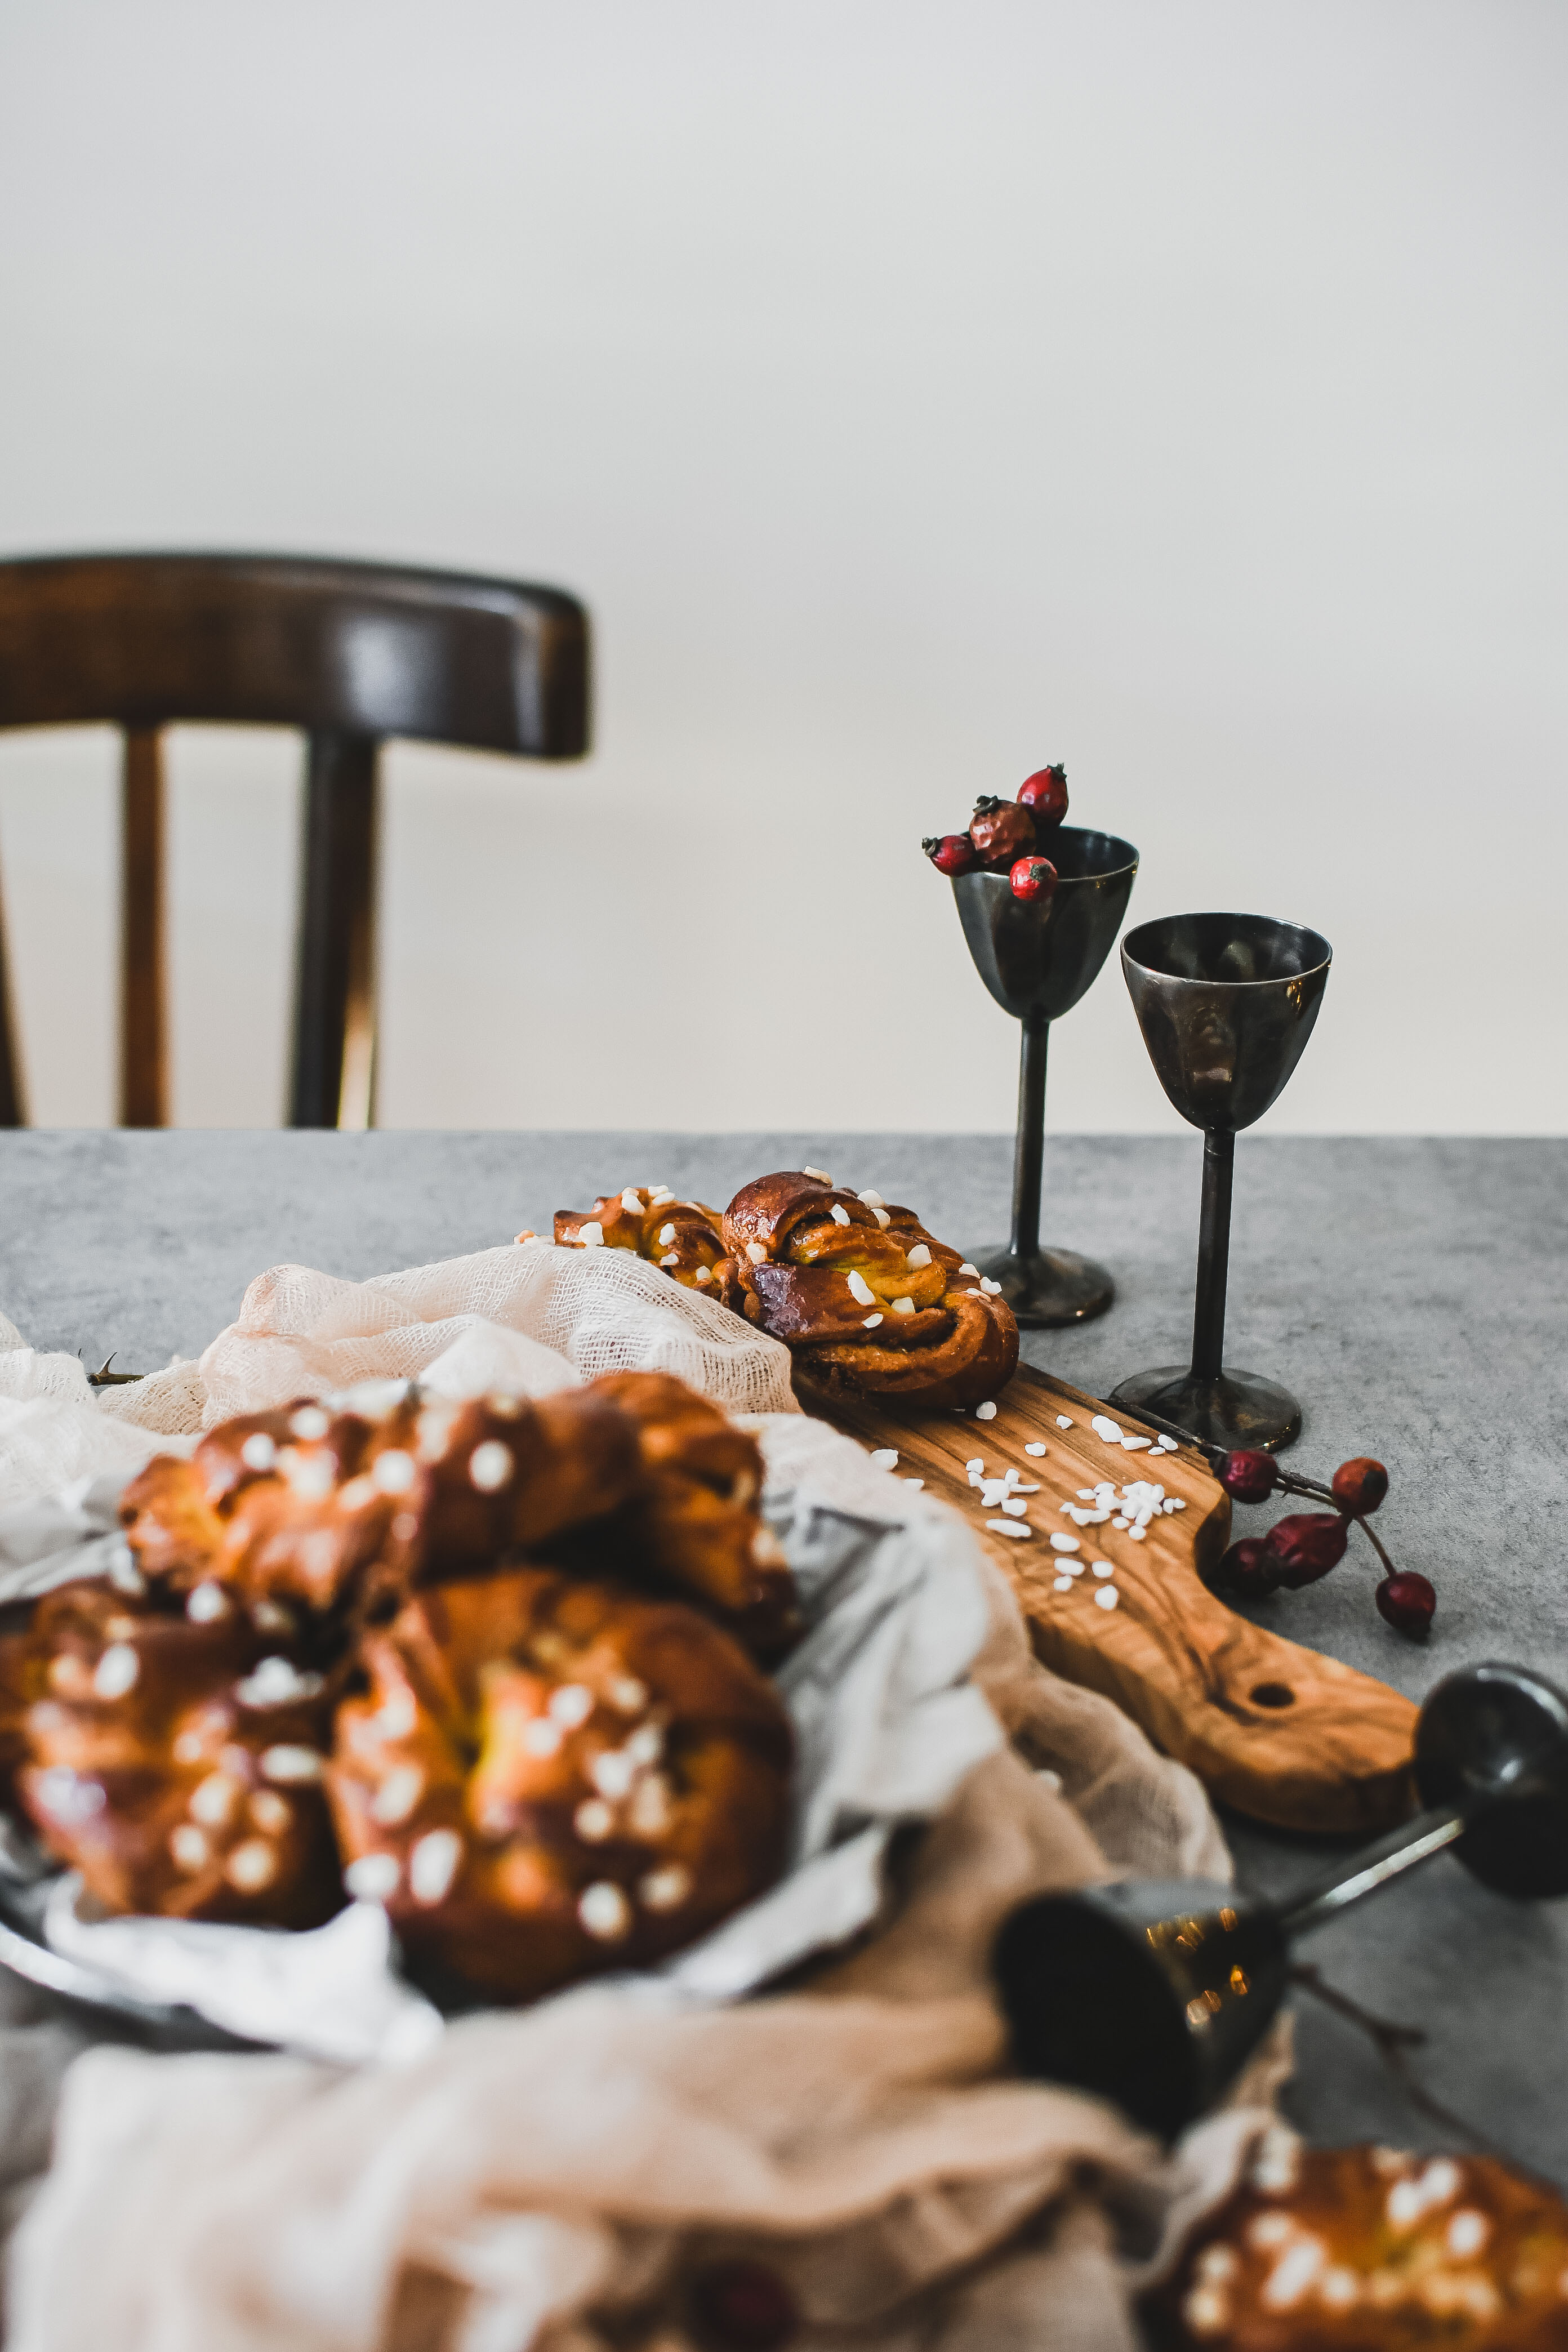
(915, 393)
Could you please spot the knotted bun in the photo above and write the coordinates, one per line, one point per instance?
(306, 1504)
(1370, 2249)
(547, 1778)
(177, 1765)
(871, 1302)
(682, 1237)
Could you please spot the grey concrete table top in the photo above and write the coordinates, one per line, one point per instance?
(1414, 1294)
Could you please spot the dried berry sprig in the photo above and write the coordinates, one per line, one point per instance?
(1009, 836)
(1306, 1545)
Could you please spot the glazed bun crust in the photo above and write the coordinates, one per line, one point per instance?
(683, 1237)
(178, 1766)
(1369, 2250)
(322, 1508)
(871, 1303)
(547, 1778)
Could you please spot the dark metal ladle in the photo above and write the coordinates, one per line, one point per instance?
(1154, 1992)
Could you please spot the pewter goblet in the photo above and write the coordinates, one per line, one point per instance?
(1038, 959)
(1226, 1004)
(1153, 1992)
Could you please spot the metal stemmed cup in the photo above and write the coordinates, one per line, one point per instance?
(1226, 1004)
(1154, 1992)
(1038, 959)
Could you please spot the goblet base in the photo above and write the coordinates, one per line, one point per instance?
(1050, 1287)
(1236, 1410)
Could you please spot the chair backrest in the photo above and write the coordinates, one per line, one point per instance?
(351, 653)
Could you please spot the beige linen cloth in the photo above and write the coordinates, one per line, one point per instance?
(551, 2181)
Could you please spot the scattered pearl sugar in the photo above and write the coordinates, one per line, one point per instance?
(919, 1256)
(1062, 1584)
(1100, 1567)
(990, 1289)
(673, 1259)
(633, 1201)
(591, 1235)
(861, 1290)
(1136, 1445)
(259, 1452)
(1008, 1527)
(820, 1175)
(916, 1483)
(967, 1268)
(986, 1412)
(1104, 1427)
(1064, 1420)
(871, 1200)
(1034, 1446)
(372, 1878)
(869, 1322)
(276, 1683)
(1066, 1543)
(882, 1218)
(666, 1236)
(974, 1463)
(1107, 1597)
(1138, 1535)
(207, 1603)
(703, 1273)
(1014, 1509)
(757, 1254)
(605, 1911)
(1120, 1524)
(840, 1213)
(491, 1466)
(886, 1457)
(906, 1306)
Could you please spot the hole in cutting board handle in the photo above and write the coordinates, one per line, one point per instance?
(1272, 1694)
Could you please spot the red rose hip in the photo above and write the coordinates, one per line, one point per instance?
(1248, 1476)
(1248, 1570)
(1045, 794)
(1406, 1601)
(951, 853)
(1360, 1485)
(1306, 1545)
(1034, 878)
(742, 2306)
(1001, 830)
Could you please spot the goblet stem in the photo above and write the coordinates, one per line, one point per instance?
(1029, 1143)
(1214, 1254)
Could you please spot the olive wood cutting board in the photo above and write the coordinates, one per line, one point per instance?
(1277, 1731)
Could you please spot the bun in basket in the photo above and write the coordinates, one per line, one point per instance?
(178, 1766)
(548, 1778)
(868, 1300)
(1367, 2249)
(303, 1504)
(694, 1529)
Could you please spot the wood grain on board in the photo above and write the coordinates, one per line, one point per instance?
(1276, 1730)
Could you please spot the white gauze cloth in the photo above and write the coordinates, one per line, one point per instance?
(550, 2181)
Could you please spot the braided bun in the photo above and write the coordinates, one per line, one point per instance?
(1366, 2250)
(871, 1302)
(548, 1778)
(682, 1237)
(306, 1505)
(695, 1527)
(176, 1765)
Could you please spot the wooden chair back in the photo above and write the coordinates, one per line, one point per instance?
(349, 652)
